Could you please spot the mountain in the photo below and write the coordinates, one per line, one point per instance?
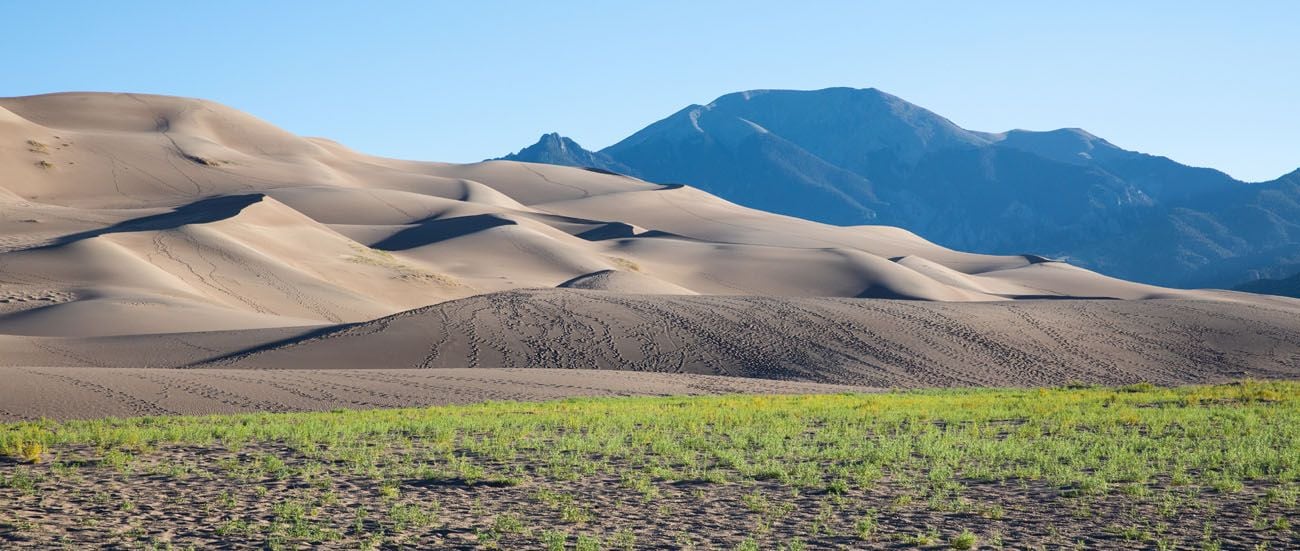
(1289, 287)
(861, 156)
(554, 149)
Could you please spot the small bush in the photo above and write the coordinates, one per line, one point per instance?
(554, 540)
(508, 523)
(866, 526)
(31, 452)
(965, 540)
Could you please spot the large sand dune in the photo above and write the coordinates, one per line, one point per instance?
(880, 343)
(149, 231)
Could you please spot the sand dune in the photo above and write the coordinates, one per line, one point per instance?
(873, 343)
(879, 343)
(131, 223)
(618, 281)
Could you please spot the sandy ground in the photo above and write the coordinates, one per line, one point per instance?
(76, 393)
(880, 343)
(614, 344)
(149, 505)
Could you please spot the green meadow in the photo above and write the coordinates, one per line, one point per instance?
(1141, 466)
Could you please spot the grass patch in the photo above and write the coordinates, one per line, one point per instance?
(401, 270)
(624, 263)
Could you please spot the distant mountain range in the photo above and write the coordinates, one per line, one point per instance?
(1289, 287)
(861, 156)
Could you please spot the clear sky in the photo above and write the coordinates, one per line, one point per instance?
(1207, 83)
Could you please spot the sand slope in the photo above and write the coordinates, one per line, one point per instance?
(648, 344)
(876, 343)
(77, 393)
(880, 343)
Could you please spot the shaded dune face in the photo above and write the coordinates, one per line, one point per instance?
(129, 219)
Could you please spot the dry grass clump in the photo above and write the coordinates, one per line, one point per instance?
(25, 444)
(624, 263)
(401, 270)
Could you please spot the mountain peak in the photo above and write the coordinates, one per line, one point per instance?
(554, 141)
(747, 95)
(842, 126)
(861, 155)
(1293, 176)
(1067, 145)
(555, 149)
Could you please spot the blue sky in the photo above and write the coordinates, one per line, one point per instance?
(1207, 83)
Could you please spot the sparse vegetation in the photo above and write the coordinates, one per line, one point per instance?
(961, 468)
(965, 540)
(624, 263)
(401, 270)
(866, 526)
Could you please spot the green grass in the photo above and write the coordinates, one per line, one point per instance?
(1085, 441)
(965, 540)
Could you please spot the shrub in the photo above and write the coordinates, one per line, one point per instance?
(965, 540)
(31, 452)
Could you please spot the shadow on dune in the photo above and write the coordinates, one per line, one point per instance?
(611, 230)
(305, 337)
(198, 212)
(601, 229)
(434, 231)
(881, 292)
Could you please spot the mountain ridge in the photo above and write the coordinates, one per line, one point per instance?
(862, 156)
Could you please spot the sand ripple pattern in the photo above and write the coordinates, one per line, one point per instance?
(877, 343)
(79, 393)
